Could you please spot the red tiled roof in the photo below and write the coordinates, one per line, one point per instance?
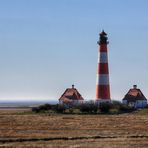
(134, 94)
(71, 94)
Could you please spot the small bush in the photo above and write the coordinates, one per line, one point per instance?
(122, 108)
(88, 107)
(35, 109)
(125, 108)
(41, 108)
(84, 108)
(146, 106)
(59, 108)
(105, 107)
(45, 107)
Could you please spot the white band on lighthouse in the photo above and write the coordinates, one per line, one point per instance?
(103, 58)
(102, 79)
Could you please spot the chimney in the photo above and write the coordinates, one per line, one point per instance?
(73, 86)
(135, 86)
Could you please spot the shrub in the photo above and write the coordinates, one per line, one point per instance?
(93, 107)
(126, 108)
(105, 107)
(116, 103)
(59, 108)
(89, 107)
(84, 108)
(35, 109)
(115, 107)
(45, 107)
(146, 106)
(41, 108)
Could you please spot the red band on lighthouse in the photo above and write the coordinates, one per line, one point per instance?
(102, 68)
(102, 82)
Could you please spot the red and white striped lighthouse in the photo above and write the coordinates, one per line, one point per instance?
(102, 84)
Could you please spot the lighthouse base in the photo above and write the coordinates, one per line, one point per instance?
(99, 101)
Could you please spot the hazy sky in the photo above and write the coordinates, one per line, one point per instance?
(47, 45)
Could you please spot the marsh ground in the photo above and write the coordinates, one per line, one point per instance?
(126, 130)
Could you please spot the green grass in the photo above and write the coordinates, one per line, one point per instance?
(114, 111)
(142, 111)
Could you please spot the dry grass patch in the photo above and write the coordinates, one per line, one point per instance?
(43, 126)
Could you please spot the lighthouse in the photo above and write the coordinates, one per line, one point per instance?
(102, 82)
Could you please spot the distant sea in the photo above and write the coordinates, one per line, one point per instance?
(24, 103)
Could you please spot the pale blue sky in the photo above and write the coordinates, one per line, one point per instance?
(47, 45)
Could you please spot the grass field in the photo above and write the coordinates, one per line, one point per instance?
(21, 128)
